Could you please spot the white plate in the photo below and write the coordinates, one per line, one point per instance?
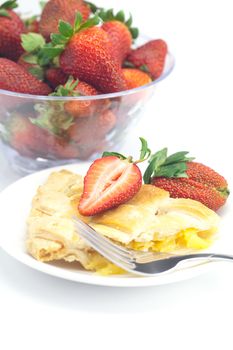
(15, 202)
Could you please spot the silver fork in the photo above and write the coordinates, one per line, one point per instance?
(136, 262)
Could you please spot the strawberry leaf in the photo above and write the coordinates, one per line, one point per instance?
(65, 29)
(134, 32)
(129, 22)
(52, 118)
(155, 162)
(30, 58)
(114, 154)
(58, 39)
(108, 16)
(68, 89)
(92, 6)
(9, 5)
(178, 157)
(91, 22)
(32, 42)
(38, 72)
(51, 52)
(145, 151)
(120, 16)
(77, 22)
(4, 13)
(174, 166)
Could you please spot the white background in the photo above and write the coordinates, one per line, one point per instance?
(192, 110)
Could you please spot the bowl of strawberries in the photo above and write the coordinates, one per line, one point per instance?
(73, 81)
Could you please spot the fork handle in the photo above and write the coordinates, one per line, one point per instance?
(159, 266)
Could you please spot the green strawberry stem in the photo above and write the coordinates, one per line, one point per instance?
(225, 192)
(144, 154)
(160, 165)
(52, 118)
(108, 15)
(93, 7)
(68, 89)
(7, 5)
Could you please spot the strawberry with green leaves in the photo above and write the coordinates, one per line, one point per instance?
(65, 10)
(86, 53)
(120, 32)
(76, 108)
(31, 141)
(32, 44)
(150, 58)
(110, 181)
(11, 27)
(183, 178)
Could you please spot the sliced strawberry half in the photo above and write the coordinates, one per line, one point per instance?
(111, 181)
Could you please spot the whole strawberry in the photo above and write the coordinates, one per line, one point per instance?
(120, 32)
(86, 53)
(110, 181)
(81, 108)
(56, 10)
(150, 57)
(15, 78)
(11, 27)
(88, 57)
(135, 78)
(24, 137)
(183, 178)
(29, 140)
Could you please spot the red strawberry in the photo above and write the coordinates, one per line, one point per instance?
(135, 78)
(89, 131)
(150, 56)
(56, 10)
(111, 181)
(55, 77)
(15, 78)
(11, 27)
(120, 37)
(105, 122)
(61, 149)
(81, 108)
(32, 141)
(88, 57)
(185, 179)
(120, 32)
(25, 137)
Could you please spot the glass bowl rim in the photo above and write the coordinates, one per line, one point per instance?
(165, 74)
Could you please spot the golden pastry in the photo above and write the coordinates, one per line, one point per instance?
(150, 221)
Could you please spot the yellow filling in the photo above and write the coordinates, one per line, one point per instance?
(190, 238)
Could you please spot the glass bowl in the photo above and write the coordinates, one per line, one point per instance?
(102, 124)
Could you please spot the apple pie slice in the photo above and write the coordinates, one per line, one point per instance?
(151, 220)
